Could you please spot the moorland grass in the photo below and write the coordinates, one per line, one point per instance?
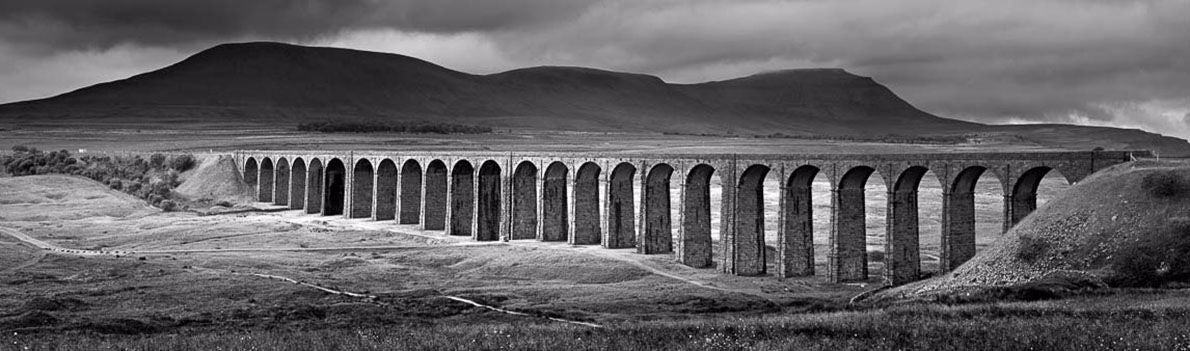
(1044, 326)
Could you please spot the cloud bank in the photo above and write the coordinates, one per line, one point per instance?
(1096, 62)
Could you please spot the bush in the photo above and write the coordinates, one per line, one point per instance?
(168, 205)
(1031, 249)
(1163, 184)
(875, 256)
(182, 163)
(1156, 260)
(157, 161)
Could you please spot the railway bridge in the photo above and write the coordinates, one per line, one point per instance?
(588, 199)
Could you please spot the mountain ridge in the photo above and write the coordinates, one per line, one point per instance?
(284, 84)
(353, 84)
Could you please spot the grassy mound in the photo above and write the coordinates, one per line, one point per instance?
(62, 197)
(1125, 226)
(217, 179)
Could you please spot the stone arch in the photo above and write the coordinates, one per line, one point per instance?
(410, 192)
(958, 227)
(487, 214)
(658, 231)
(386, 190)
(251, 171)
(749, 246)
(335, 185)
(297, 188)
(902, 260)
(361, 189)
(795, 249)
(694, 244)
(554, 222)
(1024, 191)
(587, 230)
(621, 208)
(849, 257)
(281, 190)
(434, 211)
(524, 201)
(462, 198)
(265, 192)
(314, 195)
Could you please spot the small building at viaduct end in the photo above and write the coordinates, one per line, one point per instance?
(589, 199)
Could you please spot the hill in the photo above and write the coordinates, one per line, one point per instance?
(281, 83)
(276, 84)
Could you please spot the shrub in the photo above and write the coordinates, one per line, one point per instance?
(182, 163)
(1156, 260)
(20, 148)
(1162, 184)
(157, 161)
(875, 256)
(1031, 249)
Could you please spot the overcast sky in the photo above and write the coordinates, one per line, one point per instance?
(1097, 62)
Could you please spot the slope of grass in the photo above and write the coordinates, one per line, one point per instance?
(985, 327)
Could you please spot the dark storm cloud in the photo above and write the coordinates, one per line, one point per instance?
(86, 23)
(1015, 60)
(1088, 61)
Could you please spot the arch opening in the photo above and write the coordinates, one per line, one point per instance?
(297, 186)
(658, 228)
(386, 190)
(462, 199)
(267, 174)
(410, 202)
(748, 249)
(335, 187)
(958, 237)
(902, 242)
(281, 191)
(849, 234)
(434, 210)
(361, 189)
(554, 224)
(621, 211)
(314, 195)
(587, 230)
(795, 248)
(1033, 188)
(695, 242)
(524, 201)
(487, 219)
(251, 171)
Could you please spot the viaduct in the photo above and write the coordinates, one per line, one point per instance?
(556, 197)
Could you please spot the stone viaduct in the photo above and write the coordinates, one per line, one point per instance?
(556, 197)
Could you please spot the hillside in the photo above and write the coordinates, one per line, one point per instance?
(280, 85)
(271, 82)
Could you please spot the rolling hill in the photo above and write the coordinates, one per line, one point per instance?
(281, 84)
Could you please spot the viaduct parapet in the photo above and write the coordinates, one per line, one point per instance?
(588, 199)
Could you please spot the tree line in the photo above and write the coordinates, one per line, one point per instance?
(398, 127)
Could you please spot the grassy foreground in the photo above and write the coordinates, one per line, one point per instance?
(1022, 326)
